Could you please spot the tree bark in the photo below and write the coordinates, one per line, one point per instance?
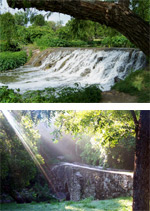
(115, 15)
(141, 180)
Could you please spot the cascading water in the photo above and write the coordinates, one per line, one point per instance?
(67, 66)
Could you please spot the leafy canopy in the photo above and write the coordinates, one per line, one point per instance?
(106, 127)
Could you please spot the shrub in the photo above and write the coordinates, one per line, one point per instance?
(9, 95)
(23, 35)
(49, 41)
(90, 94)
(11, 60)
(7, 27)
(42, 192)
(77, 43)
(39, 20)
(94, 43)
(36, 32)
(4, 46)
(137, 83)
(116, 41)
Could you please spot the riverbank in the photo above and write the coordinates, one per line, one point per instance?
(136, 85)
(114, 96)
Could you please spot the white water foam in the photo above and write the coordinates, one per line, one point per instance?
(65, 67)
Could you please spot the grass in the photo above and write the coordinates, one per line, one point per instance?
(137, 84)
(119, 204)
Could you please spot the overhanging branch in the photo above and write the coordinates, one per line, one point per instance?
(117, 16)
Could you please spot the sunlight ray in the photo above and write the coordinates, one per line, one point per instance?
(20, 132)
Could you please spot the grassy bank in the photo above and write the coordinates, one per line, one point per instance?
(11, 60)
(137, 84)
(119, 204)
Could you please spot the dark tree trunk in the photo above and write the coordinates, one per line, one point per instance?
(141, 182)
(117, 16)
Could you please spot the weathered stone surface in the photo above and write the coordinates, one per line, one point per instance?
(85, 181)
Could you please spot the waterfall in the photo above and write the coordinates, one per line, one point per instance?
(67, 66)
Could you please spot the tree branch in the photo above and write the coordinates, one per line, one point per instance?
(117, 16)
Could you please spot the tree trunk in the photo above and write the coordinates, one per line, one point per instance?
(141, 180)
(115, 15)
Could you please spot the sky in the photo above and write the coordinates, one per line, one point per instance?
(54, 16)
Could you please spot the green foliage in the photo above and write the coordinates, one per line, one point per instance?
(11, 60)
(118, 204)
(41, 192)
(137, 83)
(106, 126)
(30, 54)
(50, 95)
(76, 33)
(36, 32)
(23, 35)
(7, 27)
(90, 154)
(47, 41)
(108, 134)
(50, 41)
(9, 95)
(116, 41)
(77, 43)
(13, 46)
(21, 18)
(142, 8)
(38, 20)
(120, 156)
(64, 33)
(65, 95)
(17, 168)
(85, 30)
(30, 34)
(81, 29)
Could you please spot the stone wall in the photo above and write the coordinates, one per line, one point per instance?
(76, 182)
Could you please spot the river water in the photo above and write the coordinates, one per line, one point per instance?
(67, 66)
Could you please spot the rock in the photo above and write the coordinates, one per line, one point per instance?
(77, 182)
(61, 196)
(79, 175)
(61, 157)
(117, 79)
(99, 59)
(86, 72)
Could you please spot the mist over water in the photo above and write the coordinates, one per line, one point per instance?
(67, 66)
